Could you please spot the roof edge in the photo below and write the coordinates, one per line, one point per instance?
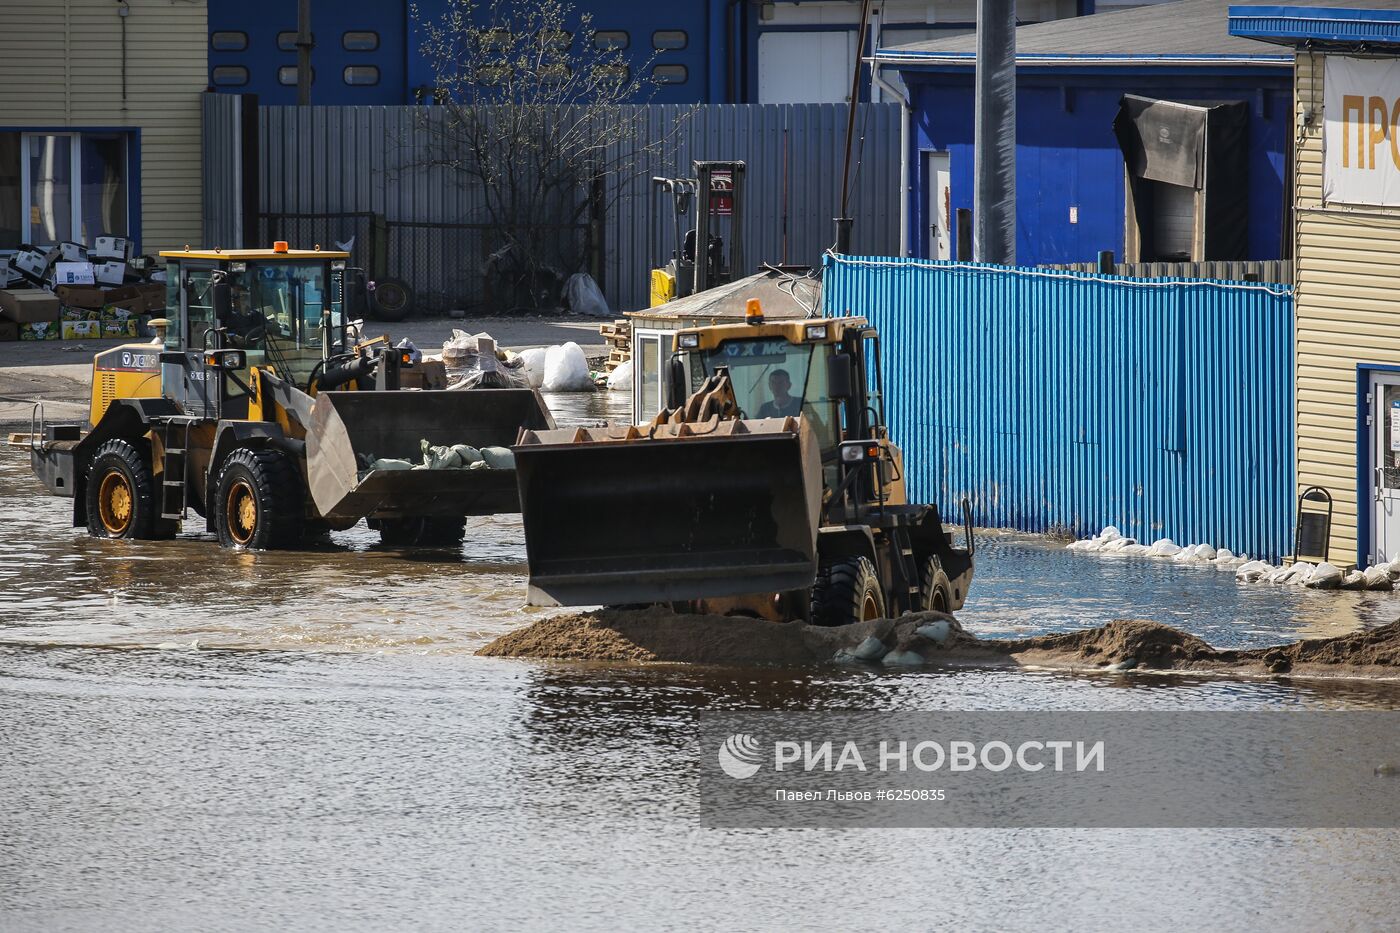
(1339, 27)
(914, 58)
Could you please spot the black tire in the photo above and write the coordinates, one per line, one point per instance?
(121, 494)
(258, 502)
(936, 593)
(391, 300)
(438, 531)
(847, 591)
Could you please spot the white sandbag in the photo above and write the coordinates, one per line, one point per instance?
(1300, 574)
(498, 458)
(585, 297)
(1377, 578)
(871, 649)
(1325, 577)
(937, 631)
(1163, 547)
(620, 379)
(533, 359)
(1118, 544)
(1185, 552)
(1277, 575)
(1355, 580)
(1252, 571)
(1205, 552)
(389, 463)
(566, 369)
(1135, 549)
(903, 659)
(1109, 533)
(467, 454)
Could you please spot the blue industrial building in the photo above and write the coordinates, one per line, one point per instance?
(1076, 192)
(701, 51)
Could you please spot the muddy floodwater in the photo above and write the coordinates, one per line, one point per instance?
(194, 739)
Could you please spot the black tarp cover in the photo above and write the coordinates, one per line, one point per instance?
(1202, 145)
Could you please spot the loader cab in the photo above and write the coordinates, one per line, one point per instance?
(786, 369)
(285, 308)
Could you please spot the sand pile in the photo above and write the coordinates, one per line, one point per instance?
(928, 638)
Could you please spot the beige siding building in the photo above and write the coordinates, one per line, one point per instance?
(1347, 251)
(100, 120)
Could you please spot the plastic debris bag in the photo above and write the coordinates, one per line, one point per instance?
(473, 361)
(585, 297)
(390, 463)
(620, 379)
(533, 359)
(566, 369)
(415, 354)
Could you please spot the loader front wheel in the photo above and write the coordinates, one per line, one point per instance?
(259, 501)
(847, 591)
(937, 590)
(121, 493)
(438, 531)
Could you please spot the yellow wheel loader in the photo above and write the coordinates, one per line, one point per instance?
(768, 487)
(261, 412)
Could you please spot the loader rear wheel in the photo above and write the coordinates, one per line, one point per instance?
(259, 500)
(937, 589)
(121, 494)
(847, 591)
(437, 531)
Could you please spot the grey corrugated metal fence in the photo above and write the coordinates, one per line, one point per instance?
(320, 165)
(1266, 270)
(222, 141)
(1075, 401)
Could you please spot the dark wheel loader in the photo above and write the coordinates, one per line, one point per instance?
(262, 413)
(768, 487)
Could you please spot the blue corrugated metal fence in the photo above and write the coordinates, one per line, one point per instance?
(1073, 401)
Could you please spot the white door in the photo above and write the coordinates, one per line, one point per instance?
(940, 207)
(1385, 467)
(805, 67)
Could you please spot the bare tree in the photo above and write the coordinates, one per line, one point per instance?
(533, 110)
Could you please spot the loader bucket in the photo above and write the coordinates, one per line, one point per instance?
(620, 515)
(347, 429)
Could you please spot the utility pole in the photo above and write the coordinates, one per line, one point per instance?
(994, 134)
(844, 221)
(303, 52)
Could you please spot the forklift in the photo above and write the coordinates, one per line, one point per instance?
(699, 259)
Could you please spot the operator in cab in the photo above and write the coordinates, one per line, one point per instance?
(783, 404)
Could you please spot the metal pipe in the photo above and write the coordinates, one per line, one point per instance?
(843, 222)
(994, 134)
(303, 52)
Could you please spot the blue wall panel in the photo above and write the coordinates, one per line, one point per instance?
(1068, 400)
(1067, 155)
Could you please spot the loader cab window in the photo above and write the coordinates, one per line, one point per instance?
(192, 327)
(774, 378)
(289, 297)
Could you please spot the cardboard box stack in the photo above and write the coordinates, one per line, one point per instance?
(71, 292)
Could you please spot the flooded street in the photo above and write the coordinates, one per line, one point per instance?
(201, 739)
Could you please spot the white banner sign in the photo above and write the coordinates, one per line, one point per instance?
(1361, 132)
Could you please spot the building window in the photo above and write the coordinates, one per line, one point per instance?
(611, 39)
(665, 40)
(287, 41)
(361, 75)
(670, 74)
(62, 186)
(228, 41)
(230, 76)
(287, 75)
(614, 73)
(559, 39)
(362, 40)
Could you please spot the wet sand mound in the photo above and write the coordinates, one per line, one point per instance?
(914, 640)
